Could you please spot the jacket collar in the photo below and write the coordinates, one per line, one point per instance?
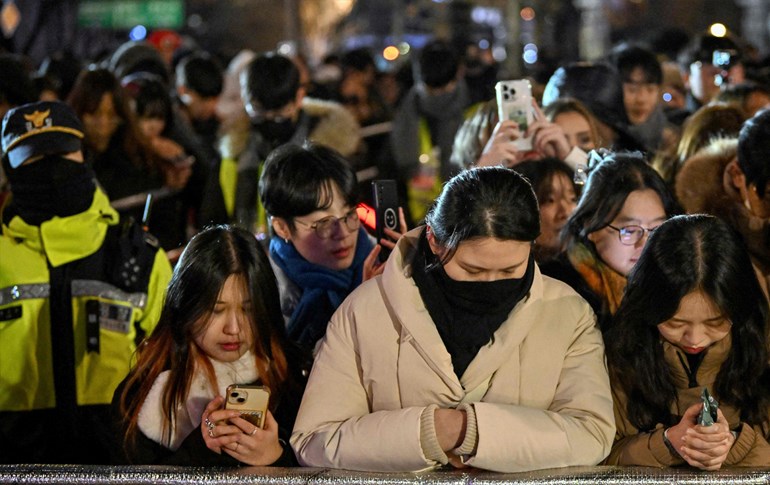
(67, 239)
(707, 372)
(418, 328)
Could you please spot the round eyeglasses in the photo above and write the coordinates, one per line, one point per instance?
(630, 235)
(325, 227)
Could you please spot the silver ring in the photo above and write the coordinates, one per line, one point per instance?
(253, 432)
(209, 424)
(211, 433)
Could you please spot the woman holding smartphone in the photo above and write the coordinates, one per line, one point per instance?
(221, 324)
(693, 316)
(460, 352)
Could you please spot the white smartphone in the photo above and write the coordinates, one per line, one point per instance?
(514, 102)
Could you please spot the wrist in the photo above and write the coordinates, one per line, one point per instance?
(276, 451)
(450, 428)
(670, 446)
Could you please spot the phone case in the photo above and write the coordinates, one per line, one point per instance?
(385, 197)
(514, 102)
(251, 401)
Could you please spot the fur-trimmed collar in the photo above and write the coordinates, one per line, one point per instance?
(188, 416)
(337, 129)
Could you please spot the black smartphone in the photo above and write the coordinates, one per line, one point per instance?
(385, 197)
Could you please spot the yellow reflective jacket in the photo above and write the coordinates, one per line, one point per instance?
(76, 294)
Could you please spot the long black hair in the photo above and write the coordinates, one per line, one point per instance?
(210, 258)
(685, 254)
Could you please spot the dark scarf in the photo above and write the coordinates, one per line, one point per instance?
(323, 289)
(52, 186)
(466, 313)
(650, 133)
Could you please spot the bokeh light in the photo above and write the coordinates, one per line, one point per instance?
(391, 53)
(718, 30)
(138, 33)
(527, 13)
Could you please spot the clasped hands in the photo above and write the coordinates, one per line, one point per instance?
(704, 447)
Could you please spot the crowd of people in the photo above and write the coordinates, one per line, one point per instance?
(172, 227)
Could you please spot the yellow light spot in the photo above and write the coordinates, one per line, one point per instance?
(718, 30)
(527, 13)
(424, 158)
(391, 53)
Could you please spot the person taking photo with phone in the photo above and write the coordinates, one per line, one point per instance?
(221, 324)
(693, 316)
(443, 356)
(319, 252)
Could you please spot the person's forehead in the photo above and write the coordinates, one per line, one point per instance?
(638, 75)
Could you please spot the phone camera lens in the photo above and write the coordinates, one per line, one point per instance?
(240, 399)
(233, 394)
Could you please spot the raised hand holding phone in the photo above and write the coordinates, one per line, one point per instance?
(514, 103)
(388, 216)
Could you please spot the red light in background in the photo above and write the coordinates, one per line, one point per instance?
(367, 215)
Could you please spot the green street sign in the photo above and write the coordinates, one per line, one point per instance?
(125, 14)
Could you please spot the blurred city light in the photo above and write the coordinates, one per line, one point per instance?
(486, 16)
(718, 30)
(530, 54)
(404, 48)
(527, 14)
(391, 53)
(498, 53)
(138, 33)
(484, 44)
(667, 97)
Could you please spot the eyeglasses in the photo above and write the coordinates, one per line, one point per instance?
(630, 235)
(325, 227)
(276, 115)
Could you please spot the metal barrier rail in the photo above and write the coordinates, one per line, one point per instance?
(124, 475)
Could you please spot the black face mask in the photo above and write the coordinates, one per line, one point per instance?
(51, 186)
(277, 132)
(484, 297)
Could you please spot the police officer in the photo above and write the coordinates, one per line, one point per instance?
(79, 288)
